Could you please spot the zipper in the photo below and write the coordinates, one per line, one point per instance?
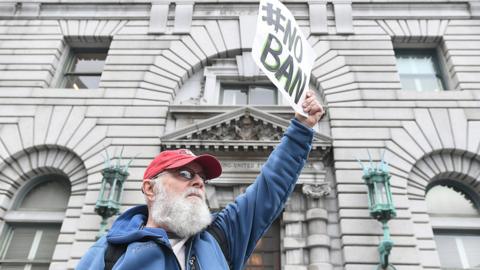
(171, 252)
(191, 262)
(190, 259)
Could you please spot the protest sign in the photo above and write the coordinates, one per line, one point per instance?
(282, 52)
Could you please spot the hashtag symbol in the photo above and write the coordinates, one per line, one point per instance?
(274, 17)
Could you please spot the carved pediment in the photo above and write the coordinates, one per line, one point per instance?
(246, 128)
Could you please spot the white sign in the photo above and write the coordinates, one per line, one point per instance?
(282, 52)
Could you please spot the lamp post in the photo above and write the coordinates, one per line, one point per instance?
(380, 204)
(108, 202)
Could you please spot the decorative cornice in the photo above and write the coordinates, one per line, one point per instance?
(159, 17)
(183, 17)
(343, 16)
(318, 16)
(243, 128)
(412, 10)
(217, 109)
(475, 8)
(211, 9)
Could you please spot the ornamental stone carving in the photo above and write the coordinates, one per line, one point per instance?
(317, 191)
(245, 128)
(241, 129)
(217, 133)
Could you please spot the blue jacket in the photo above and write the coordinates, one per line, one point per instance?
(241, 224)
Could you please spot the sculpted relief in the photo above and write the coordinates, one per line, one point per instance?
(245, 128)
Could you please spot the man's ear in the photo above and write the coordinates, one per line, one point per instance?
(148, 190)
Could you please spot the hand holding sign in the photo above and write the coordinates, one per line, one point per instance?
(313, 108)
(282, 52)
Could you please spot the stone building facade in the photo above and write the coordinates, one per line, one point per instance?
(180, 74)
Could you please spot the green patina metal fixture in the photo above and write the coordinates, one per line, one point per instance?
(380, 204)
(108, 202)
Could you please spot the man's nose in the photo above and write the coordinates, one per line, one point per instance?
(197, 182)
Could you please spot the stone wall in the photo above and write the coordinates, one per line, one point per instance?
(156, 49)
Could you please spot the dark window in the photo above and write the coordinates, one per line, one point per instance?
(57, 193)
(29, 244)
(233, 94)
(453, 203)
(419, 70)
(458, 250)
(84, 68)
(266, 255)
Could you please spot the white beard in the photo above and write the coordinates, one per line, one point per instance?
(178, 213)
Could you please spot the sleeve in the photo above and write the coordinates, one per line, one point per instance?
(94, 258)
(245, 221)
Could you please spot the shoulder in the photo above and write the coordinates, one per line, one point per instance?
(94, 257)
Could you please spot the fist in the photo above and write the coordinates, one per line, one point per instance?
(313, 108)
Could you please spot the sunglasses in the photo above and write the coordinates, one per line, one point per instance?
(186, 174)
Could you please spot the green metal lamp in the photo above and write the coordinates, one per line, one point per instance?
(380, 204)
(108, 202)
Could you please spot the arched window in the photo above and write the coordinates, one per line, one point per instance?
(454, 213)
(33, 223)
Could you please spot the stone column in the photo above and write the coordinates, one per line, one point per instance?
(318, 240)
(294, 241)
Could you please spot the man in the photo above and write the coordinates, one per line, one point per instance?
(175, 229)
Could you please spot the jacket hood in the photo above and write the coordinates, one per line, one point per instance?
(129, 227)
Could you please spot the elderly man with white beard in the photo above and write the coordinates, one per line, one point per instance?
(175, 229)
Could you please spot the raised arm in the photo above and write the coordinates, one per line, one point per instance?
(246, 220)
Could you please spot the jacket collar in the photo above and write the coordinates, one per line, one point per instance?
(129, 227)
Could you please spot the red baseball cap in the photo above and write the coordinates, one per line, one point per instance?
(172, 159)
